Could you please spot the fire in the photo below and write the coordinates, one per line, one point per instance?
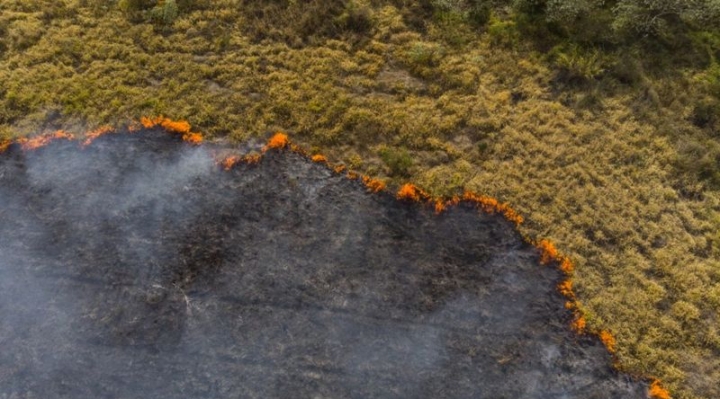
(548, 252)
(319, 158)
(439, 206)
(181, 127)
(578, 325)
(657, 391)
(150, 123)
(4, 145)
(43, 140)
(252, 159)
(229, 162)
(339, 168)
(411, 192)
(193, 138)
(90, 137)
(176, 126)
(608, 340)
(373, 185)
(567, 266)
(277, 142)
(565, 288)
(492, 205)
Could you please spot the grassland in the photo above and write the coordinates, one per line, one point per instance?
(613, 156)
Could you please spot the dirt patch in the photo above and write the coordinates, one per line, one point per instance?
(137, 268)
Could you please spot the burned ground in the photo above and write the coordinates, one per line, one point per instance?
(137, 268)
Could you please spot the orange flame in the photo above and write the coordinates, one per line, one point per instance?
(229, 162)
(548, 252)
(608, 340)
(439, 207)
(319, 158)
(339, 168)
(4, 145)
(411, 193)
(43, 140)
(565, 288)
(373, 185)
(176, 126)
(193, 138)
(578, 325)
(491, 205)
(277, 142)
(181, 127)
(567, 266)
(90, 137)
(657, 391)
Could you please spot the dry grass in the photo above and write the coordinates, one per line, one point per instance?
(478, 112)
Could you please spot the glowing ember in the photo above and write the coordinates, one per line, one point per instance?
(319, 158)
(252, 159)
(229, 162)
(439, 207)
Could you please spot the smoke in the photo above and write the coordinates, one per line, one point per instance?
(136, 268)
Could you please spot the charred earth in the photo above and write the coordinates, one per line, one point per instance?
(137, 268)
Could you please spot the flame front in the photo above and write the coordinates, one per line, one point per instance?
(90, 137)
(43, 140)
(181, 127)
(277, 142)
(657, 391)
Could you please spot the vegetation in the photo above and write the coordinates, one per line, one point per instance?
(598, 121)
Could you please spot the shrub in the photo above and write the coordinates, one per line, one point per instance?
(580, 63)
(398, 161)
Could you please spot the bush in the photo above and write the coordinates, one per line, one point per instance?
(355, 18)
(398, 160)
(579, 63)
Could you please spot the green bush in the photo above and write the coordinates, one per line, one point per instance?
(398, 161)
(579, 63)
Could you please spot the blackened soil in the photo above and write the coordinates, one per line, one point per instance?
(136, 268)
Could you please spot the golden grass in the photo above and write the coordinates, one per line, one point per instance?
(640, 239)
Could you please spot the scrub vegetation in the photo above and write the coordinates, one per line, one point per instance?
(596, 120)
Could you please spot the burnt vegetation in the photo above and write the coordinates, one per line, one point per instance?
(138, 266)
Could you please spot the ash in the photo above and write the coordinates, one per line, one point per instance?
(137, 268)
